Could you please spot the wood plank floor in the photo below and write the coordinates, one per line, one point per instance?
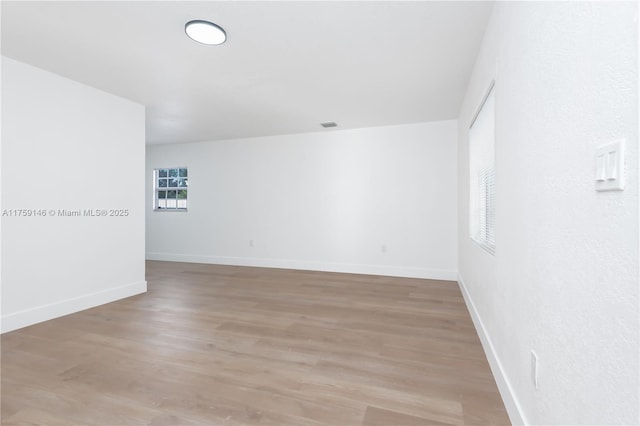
(223, 345)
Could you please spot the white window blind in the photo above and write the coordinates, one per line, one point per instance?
(482, 202)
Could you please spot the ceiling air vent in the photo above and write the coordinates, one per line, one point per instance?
(328, 124)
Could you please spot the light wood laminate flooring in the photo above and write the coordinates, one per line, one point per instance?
(225, 345)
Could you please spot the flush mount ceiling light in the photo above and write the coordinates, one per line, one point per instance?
(205, 32)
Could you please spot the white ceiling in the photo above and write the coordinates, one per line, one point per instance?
(286, 66)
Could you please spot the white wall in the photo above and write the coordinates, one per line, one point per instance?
(68, 146)
(564, 279)
(321, 201)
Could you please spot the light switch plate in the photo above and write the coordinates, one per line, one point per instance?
(610, 166)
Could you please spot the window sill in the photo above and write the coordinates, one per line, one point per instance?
(486, 247)
(171, 210)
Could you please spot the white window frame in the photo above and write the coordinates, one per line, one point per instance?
(174, 183)
(482, 188)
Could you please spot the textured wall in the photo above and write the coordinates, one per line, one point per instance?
(564, 279)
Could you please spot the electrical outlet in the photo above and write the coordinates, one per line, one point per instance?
(383, 248)
(534, 369)
(250, 243)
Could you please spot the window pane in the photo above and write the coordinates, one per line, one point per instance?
(171, 188)
(482, 192)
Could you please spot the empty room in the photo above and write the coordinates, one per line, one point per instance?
(345, 213)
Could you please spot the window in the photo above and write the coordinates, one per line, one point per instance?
(170, 189)
(482, 188)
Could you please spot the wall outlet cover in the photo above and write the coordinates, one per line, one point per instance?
(534, 369)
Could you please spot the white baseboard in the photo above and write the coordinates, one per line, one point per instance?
(65, 307)
(385, 270)
(511, 403)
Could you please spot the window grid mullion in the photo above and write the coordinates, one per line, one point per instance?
(170, 181)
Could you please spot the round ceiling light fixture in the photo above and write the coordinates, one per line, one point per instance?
(205, 32)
